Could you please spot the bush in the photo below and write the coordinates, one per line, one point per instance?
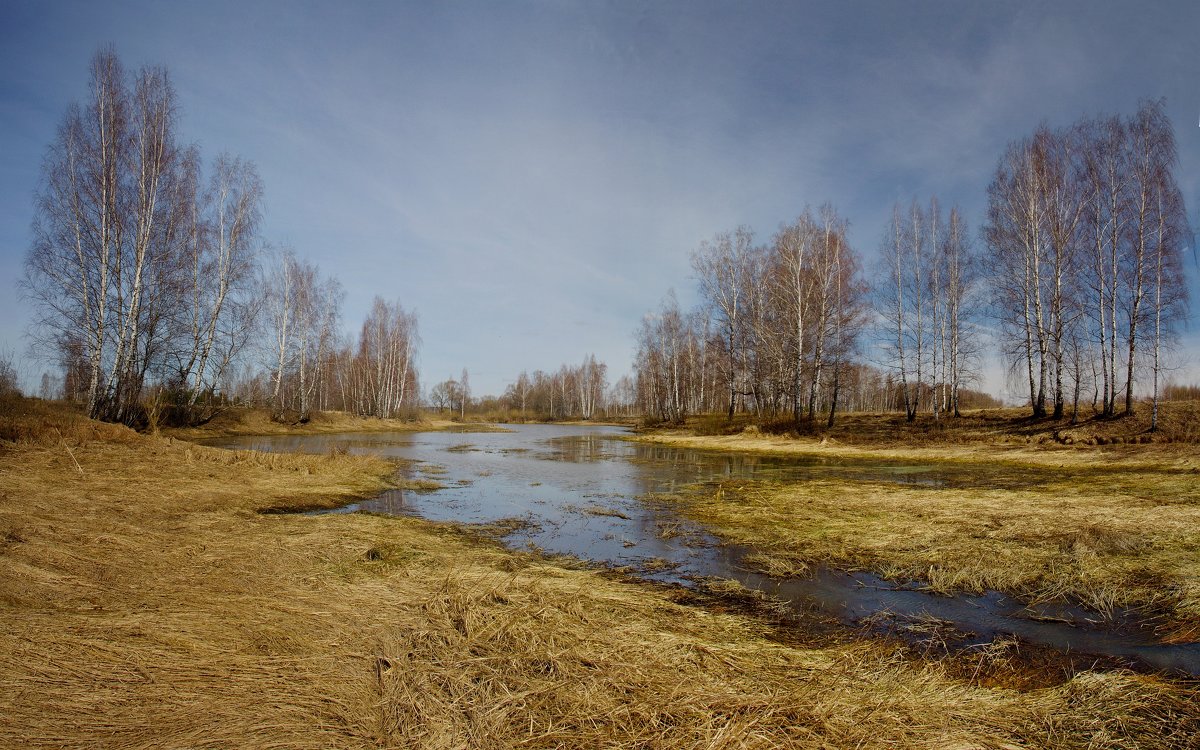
(9, 385)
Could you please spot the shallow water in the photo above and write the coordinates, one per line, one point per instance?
(576, 489)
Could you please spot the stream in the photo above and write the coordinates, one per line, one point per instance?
(578, 490)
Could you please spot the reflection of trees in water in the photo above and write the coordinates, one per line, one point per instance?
(580, 448)
(390, 501)
(683, 466)
(692, 465)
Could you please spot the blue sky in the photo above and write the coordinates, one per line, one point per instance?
(532, 176)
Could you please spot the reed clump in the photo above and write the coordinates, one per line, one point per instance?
(146, 601)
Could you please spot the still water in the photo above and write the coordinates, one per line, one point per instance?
(586, 492)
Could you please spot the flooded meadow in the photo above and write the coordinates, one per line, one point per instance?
(590, 493)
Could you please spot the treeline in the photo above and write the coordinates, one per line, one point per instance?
(572, 392)
(303, 362)
(152, 289)
(1178, 392)
(1082, 273)
(577, 391)
(926, 303)
(775, 335)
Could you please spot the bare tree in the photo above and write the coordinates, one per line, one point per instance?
(1157, 225)
(1171, 234)
(662, 363)
(78, 228)
(221, 251)
(521, 389)
(440, 395)
(959, 264)
(828, 269)
(896, 307)
(1015, 234)
(793, 253)
(722, 268)
(464, 390)
(281, 292)
(384, 369)
(1104, 160)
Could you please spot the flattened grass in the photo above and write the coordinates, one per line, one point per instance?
(146, 602)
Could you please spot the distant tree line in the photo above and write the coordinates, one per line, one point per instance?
(1082, 277)
(572, 392)
(776, 333)
(925, 297)
(150, 281)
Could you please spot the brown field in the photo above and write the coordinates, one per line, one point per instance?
(146, 601)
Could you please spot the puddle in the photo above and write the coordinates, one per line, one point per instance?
(574, 490)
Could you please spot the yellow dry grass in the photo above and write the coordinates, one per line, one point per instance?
(146, 602)
(245, 421)
(1016, 454)
(1179, 422)
(1114, 527)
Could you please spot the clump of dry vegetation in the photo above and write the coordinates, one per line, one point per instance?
(146, 601)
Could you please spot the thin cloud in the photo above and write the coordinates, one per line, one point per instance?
(511, 170)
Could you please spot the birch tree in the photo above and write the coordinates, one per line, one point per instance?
(385, 364)
(221, 259)
(1078, 218)
(793, 252)
(120, 224)
(723, 269)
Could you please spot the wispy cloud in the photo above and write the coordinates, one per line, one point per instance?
(515, 170)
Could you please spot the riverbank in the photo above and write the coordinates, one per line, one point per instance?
(1111, 527)
(239, 421)
(1179, 422)
(147, 600)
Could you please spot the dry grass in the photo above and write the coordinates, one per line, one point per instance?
(1179, 422)
(243, 421)
(145, 602)
(1113, 527)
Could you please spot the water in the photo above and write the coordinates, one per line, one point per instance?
(575, 490)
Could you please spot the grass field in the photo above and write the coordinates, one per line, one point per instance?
(146, 601)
